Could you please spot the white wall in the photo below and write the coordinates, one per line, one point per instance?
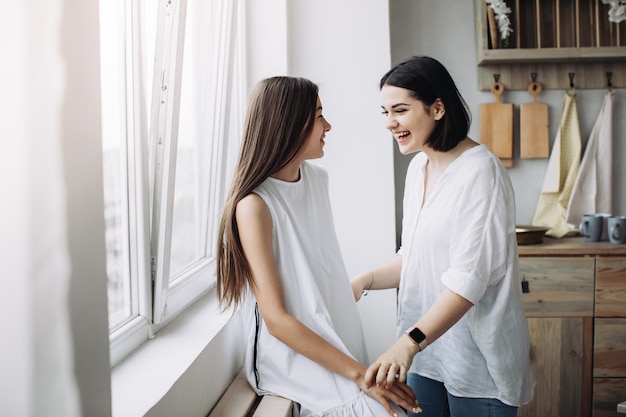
(36, 356)
(82, 156)
(266, 40)
(344, 47)
(55, 47)
(445, 30)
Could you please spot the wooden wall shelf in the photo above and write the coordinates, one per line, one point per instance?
(552, 40)
(553, 75)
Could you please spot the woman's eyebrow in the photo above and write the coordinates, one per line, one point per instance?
(396, 105)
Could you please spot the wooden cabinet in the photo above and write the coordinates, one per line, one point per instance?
(576, 310)
(558, 286)
(609, 344)
(559, 307)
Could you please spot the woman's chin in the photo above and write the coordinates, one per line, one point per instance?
(405, 149)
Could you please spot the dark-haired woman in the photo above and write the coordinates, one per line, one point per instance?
(463, 342)
(280, 264)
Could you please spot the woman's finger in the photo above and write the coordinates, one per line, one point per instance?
(388, 408)
(405, 402)
(402, 374)
(385, 396)
(381, 375)
(370, 375)
(406, 389)
(392, 374)
(402, 395)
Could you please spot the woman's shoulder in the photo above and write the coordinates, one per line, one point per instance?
(416, 163)
(482, 169)
(252, 205)
(313, 172)
(480, 158)
(314, 168)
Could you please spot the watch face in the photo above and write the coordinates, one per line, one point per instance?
(417, 335)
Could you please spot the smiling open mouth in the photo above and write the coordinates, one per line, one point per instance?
(402, 135)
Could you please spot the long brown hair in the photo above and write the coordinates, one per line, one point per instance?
(280, 116)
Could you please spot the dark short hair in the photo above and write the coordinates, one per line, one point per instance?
(427, 80)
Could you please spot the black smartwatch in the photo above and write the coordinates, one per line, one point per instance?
(417, 337)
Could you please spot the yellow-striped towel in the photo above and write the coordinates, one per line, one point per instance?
(561, 173)
(592, 189)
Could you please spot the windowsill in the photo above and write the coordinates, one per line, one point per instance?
(146, 376)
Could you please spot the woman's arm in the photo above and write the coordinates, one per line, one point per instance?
(445, 312)
(385, 276)
(255, 231)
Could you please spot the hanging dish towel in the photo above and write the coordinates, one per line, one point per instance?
(592, 189)
(561, 173)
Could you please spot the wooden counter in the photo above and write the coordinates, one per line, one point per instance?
(572, 246)
(576, 309)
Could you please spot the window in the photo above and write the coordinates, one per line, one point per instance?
(172, 111)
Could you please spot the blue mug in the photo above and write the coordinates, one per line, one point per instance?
(617, 226)
(591, 227)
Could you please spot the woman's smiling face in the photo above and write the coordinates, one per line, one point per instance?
(313, 147)
(410, 121)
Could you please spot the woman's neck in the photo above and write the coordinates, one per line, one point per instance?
(438, 161)
(288, 173)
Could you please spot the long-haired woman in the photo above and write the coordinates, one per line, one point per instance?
(280, 264)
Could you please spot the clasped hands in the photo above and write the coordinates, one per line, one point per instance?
(392, 366)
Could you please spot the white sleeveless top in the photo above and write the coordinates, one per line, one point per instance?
(318, 293)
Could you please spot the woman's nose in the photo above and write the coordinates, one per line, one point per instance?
(390, 122)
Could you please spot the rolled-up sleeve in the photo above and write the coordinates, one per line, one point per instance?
(478, 235)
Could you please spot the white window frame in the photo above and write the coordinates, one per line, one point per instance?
(152, 160)
(128, 336)
(163, 142)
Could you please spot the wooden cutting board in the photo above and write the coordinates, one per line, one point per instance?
(534, 136)
(496, 126)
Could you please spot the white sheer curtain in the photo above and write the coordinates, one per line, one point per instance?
(36, 360)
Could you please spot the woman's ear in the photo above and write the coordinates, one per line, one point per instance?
(438, 109)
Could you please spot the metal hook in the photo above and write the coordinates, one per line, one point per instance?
(571, 79)
(533, 76)
(496, 77)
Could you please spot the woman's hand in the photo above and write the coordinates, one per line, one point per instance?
(358, 286)
(398, 393)
(392, 365)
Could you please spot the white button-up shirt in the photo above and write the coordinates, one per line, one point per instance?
(463, 238)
